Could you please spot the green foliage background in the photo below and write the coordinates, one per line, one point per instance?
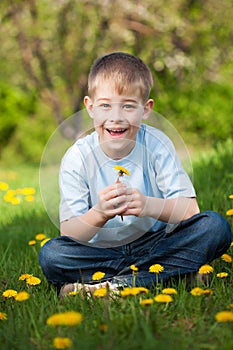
(48, 48)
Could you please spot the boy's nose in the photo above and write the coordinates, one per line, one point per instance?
(116, 113)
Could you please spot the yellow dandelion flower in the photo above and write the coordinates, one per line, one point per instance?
(197, 291)
(9, 293)
(62, 343)
(133, 291)
(15, 200)
(10, 193)
(148, 301)
(169, 291)
(27, 191)
(68, 318)
(121, 170)
(3, 316)
(97, 276)
(32, 242)
(29, 198)
(24, 276)
(40, 236)
(44, 241)
(143, 290)
(101, 292)
(207, 291)
(231, 196)
(224, 316)
(73, 293)
(22, 296)
(226, 258)
(222, 274)
(156, 268)
(204, 269)
(229, 212)
(125, 292)
(163, 298)
(7, 198)
(134, 268)
(33, 281)
(230, 306)
(231, 244)
(3, 186)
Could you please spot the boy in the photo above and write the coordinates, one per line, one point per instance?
(108, 224)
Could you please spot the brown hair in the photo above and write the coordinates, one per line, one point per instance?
(126, 72)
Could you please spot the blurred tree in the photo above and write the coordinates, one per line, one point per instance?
(48, 47)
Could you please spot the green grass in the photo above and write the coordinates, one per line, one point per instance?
(186, 323)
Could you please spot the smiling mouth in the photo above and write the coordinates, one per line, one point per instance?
(116, 132)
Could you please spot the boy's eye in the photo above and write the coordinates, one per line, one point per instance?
(105, 106)
(129, 107)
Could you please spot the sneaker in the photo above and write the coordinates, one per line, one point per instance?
(79, 288)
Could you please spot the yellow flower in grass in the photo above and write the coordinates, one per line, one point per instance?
(224, 316)
(207, 291)
(230, 306)
(148, 301)
(3, 186)
(222, 274)
(133, 291)
(32, 242)
(197, 291)
(24, 276)
(169, 291)
(62, 343)
(9, 293)
(229, 212)
(163, 298)
(22, 296)
(231, 244)
(9, 194)
(121, 170)
(15, 200)
(68, 318)
(134, 268)
(27, 191)
(101, 292)
(204, 269)
(226, 258)
(3, 316)
(231, 196)
(73, 293)
(156, 268)
(33, 281)
(40, 236)
(29, 198)
(97, 276)
(44, 241)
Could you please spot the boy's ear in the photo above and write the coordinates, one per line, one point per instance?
(89, 105)
(147, 108)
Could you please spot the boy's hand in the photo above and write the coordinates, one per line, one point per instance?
(112, 200)
(136, 203)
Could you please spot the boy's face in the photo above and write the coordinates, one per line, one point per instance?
(116, 118)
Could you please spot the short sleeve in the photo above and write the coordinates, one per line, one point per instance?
(74, 191)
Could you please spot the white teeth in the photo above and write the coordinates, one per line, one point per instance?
(118, 130)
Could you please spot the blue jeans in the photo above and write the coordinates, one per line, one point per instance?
(194, 242)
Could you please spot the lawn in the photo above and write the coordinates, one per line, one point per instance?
(110, 322)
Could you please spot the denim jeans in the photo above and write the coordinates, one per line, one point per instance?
(194, 242)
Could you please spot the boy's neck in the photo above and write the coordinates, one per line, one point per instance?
(118, 154)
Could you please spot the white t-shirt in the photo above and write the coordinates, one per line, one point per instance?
(155, 171)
